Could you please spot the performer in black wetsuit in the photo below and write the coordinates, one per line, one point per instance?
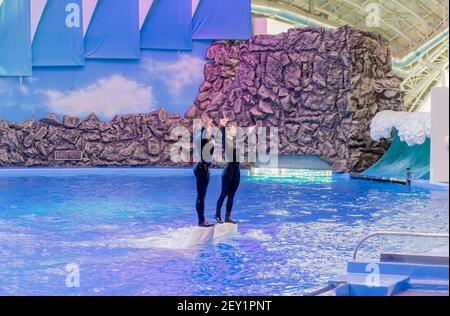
(231, 175)
(202, 174)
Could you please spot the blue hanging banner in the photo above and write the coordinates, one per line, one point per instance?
(168, 26)
(114, 31)
(15, 38)
(59, 37)
(223, 20)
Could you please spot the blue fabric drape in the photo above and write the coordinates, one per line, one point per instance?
(223, 20)
(114, 31)
(59, 37)
(168, 25)
(15, 38)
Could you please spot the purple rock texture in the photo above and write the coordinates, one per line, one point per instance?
(127, 140)
(320, 88)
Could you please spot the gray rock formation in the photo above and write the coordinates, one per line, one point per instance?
(320, 88)
(128, 140)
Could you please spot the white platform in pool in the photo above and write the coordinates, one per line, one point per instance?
(202, 235)
(199, 236)
(224, 231)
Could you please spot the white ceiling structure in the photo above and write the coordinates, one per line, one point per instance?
(416, 29)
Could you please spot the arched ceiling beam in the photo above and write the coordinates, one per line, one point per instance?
(276, 9)
(401, 5)
(383, 21)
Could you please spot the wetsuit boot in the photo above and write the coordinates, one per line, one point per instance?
(230, 200)
(205, 224)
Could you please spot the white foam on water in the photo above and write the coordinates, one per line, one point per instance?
(103, 227)
(184, 238)
(258, 235)
(181, 238)
(279, 213)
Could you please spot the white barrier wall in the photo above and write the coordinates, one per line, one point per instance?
(260, 26)
(439, 135)
(264, 26)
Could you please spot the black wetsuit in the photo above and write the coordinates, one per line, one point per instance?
(231, 178)
(202, 174)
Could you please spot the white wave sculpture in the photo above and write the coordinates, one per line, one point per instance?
(412, 128)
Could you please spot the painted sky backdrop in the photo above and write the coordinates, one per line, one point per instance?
(166, 79)
(104, 69)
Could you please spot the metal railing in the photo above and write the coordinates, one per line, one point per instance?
(385, 233)
(326, 289)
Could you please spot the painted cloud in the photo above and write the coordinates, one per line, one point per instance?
(107, 97)
(186, 71)
(6, 86)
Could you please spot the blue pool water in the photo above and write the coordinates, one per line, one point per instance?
(123, 228)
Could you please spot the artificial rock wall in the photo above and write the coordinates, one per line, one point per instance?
(320, 88)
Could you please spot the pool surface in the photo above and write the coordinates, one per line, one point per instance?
(124, 229)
